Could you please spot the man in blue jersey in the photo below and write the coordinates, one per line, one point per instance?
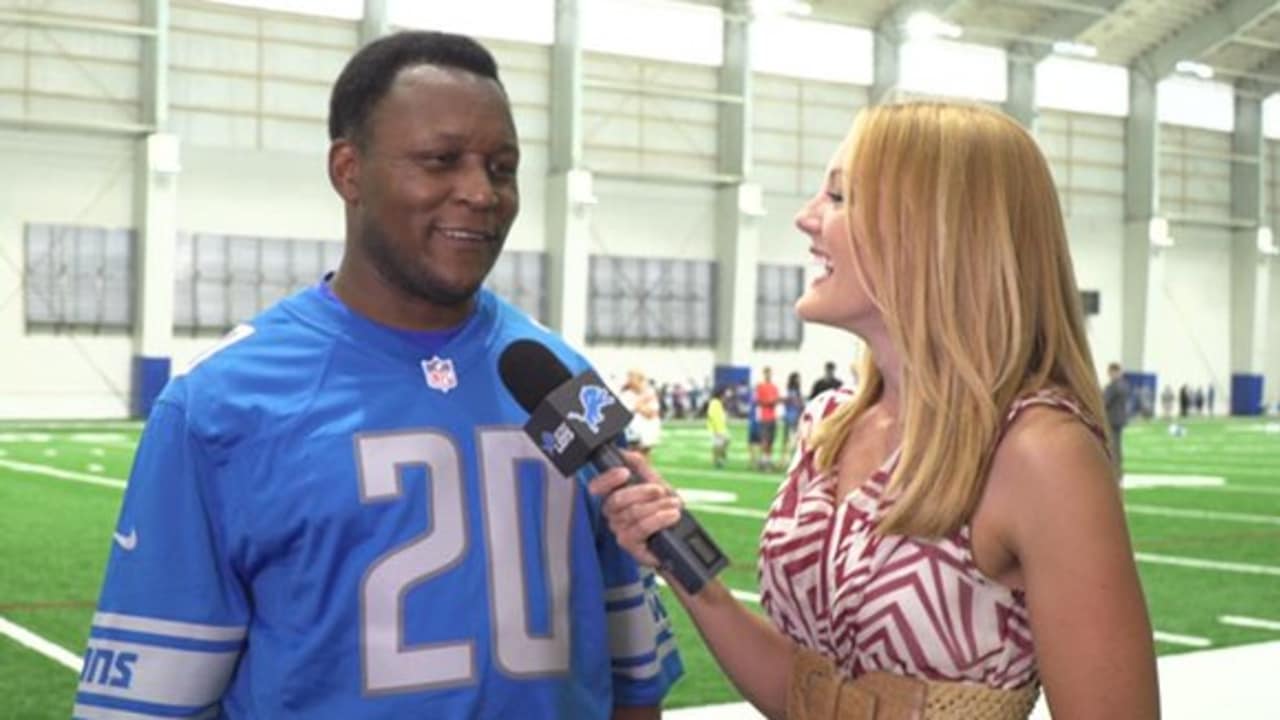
(335, 514)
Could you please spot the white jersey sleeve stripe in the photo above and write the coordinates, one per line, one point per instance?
(191, 631)
(149, 674)
(92, 712)
(623, 592)
(646, 670)
(632, 632)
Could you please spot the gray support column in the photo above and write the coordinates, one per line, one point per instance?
(1143, 263)
(738, 204)
(373, 24)
(887, 40)
(569, 195)
(1250, 273)
(1020, 84)
(155, 217)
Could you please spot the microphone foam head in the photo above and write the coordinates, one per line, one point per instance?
(531, 371)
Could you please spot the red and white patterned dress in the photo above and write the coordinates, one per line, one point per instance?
(905, 605)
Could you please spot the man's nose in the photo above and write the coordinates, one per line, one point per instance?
(475, 187)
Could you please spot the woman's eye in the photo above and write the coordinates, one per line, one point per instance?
(835, 197)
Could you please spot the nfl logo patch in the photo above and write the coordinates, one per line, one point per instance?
(440, 374)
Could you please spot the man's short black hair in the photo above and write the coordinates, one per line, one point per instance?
(370, 72)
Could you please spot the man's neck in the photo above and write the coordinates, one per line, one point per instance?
(372, 296)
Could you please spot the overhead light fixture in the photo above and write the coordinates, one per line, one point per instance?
(782, 7)
(1075, 49)
(923, 25)
(1191, 67)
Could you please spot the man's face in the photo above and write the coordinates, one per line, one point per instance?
(436, 187)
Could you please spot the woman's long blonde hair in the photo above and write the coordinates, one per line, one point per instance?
(959, 240)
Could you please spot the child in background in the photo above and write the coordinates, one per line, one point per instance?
(718, 424)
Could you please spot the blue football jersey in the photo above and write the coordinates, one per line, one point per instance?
(322, 523)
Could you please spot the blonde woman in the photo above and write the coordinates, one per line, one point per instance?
(645, 431)
(950, 538)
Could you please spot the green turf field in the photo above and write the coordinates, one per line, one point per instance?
(1209, 553)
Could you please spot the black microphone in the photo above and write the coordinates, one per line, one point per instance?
(576, 420)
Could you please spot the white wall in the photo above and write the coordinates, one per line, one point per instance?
(59, 179)
(1086, 155)
(1192, 339)
(1271, 180)
(249, 102)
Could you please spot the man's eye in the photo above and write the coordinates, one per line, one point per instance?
(503, 170)
(437, 160)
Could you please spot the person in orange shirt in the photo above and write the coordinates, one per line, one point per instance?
(767, 407)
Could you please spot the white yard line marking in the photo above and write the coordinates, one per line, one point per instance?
(1141, 481)
(1202, 514)
(722, 510)
(769, 478)
(1220, 469)
(71, 425)
(62, 474)
(1240, 621)
(1197, 563)
(1253, 489)
(1175, 639)
(54, 652)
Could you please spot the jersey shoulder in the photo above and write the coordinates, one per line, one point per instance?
(512, 323)
(261, 373)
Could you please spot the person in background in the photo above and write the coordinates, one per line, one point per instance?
(645, 431)
(1166, 401)
(951, 536)
(753, 435)
(767, 399)
(330, 512)
(718, 425)
(1116, 399)
(828, 381)
(1184, 400)
(792, 406)
(1209, 397)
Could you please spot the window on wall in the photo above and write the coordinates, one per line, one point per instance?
(651, 301)
(955, 69)
(78, 278)
(520, 278)
(221, 280)
(1082, 86)
(777, 287)
(1198, 103)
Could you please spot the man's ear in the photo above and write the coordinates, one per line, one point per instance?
(344, 170)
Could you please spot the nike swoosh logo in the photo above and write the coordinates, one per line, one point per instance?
(127, 542)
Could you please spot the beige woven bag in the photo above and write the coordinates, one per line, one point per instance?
(818, 692)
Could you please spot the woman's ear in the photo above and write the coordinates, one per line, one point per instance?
(344, 170)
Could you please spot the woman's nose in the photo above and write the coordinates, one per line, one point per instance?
(807, 220)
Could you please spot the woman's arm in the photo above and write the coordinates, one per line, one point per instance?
(1059, 513)
(753, 653)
